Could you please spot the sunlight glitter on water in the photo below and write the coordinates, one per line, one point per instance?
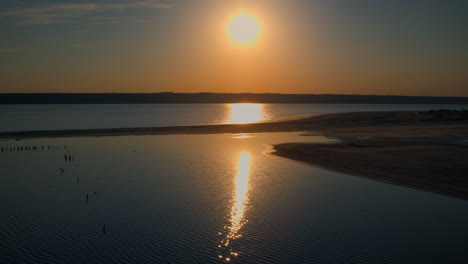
(239, 203)
(180, 198)
(246, 113)
(241, 136)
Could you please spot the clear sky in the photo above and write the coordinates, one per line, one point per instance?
(404, 47)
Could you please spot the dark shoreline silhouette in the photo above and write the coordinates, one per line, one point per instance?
(208, 98)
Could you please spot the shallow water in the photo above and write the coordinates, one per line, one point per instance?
(209, 199)
(59, 117)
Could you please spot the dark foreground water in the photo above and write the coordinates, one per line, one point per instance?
(210, 199)
(60, 117)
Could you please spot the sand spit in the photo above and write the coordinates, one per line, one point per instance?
(439, 168)
(357, 125)
(419, 149)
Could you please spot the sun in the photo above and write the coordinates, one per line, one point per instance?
(244, 29)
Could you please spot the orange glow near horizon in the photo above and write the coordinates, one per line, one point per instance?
(242, 46)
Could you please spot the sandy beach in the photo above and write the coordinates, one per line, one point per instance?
(419, 149)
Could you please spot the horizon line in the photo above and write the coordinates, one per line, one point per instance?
(201, 93)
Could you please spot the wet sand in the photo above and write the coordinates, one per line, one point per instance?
(439, 168)
(422, 150)
(419, 149)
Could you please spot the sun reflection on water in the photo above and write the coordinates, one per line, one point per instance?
(239, 206)
(241, 136)
(246, 113)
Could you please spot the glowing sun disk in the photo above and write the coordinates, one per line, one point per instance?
(244, 29)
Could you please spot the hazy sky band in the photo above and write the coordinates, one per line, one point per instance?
(417, 47)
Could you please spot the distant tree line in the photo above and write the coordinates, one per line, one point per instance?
(463, 110)
(207, 98)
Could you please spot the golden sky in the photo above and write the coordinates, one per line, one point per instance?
(294, 46)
